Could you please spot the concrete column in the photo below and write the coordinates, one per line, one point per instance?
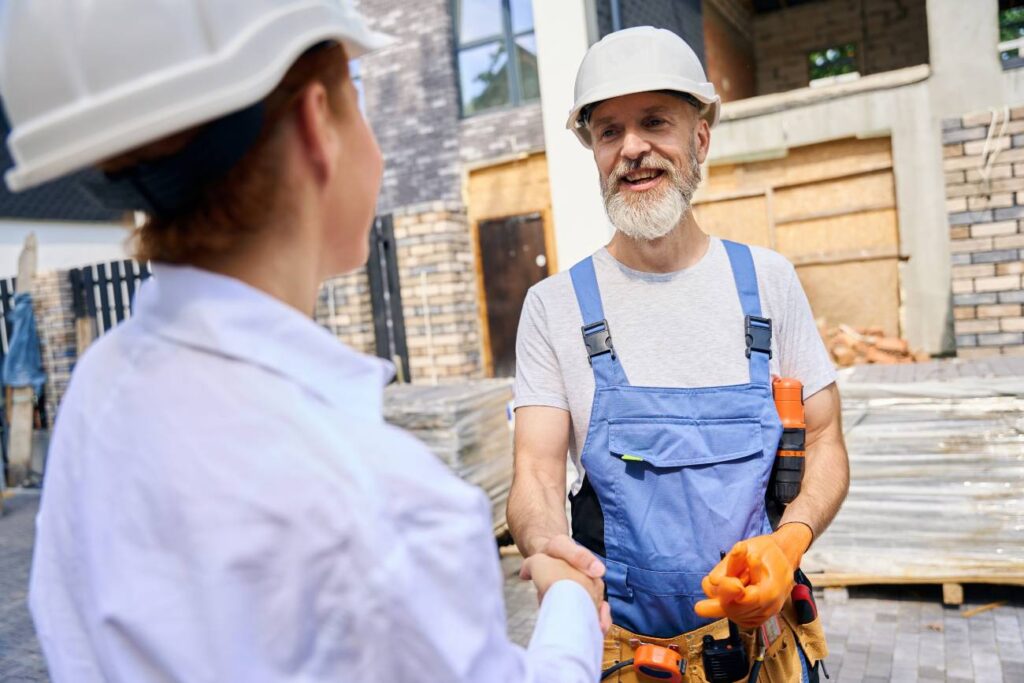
(962, 40)
(926, 313)
(581, 225)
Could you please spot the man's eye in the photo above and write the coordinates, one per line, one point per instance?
(655, 122)
(607, 133)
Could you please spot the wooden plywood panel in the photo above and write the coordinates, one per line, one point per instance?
(809, 163)
(743, 220)
(860, 293)
(837, 196)
(851, 232)
(722, 178)
(510, 189)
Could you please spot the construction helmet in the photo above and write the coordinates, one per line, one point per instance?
(85, 81)
(641, 59)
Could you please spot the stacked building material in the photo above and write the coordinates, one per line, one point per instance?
(937, 485)
(466, 425)
(849, 346)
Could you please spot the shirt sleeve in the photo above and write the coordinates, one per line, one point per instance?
(450, 616)
(538, 379)
(802, 353)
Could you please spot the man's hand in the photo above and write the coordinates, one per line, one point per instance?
(564, 548)
(752, 582)
(545, 571)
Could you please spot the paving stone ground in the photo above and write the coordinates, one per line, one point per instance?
(20, 658)
(901, 634)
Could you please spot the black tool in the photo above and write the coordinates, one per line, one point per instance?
(803, 598)
(725, 659)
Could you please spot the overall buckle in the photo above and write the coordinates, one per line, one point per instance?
(759, 335)
(598, 339)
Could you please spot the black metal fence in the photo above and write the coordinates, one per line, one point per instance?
(104, 291)
(386, 297)
(6, 306)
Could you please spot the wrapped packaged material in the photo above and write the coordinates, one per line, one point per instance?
(466, 425)
(937, 485)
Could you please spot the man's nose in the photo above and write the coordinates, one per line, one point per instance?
(634, 146)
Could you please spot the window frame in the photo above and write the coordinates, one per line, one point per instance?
(509, 38)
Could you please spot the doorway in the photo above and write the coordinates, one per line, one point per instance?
(513, 256)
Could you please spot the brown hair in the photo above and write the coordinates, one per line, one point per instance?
(230, 208)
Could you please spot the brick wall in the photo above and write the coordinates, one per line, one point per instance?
(343, 307)
(412, 101)
(438, 279)
(986, 219)
(501, 134)
(55, 324)
(890, 34)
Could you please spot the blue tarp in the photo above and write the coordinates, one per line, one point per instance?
(23, 366)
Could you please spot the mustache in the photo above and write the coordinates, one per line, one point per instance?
(651, 161)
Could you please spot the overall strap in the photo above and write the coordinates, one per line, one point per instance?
(758, 329)
(597, 336)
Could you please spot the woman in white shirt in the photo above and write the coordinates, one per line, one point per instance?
(223, 500)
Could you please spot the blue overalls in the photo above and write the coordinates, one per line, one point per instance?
(674, 477)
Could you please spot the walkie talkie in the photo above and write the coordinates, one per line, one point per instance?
(725, 659)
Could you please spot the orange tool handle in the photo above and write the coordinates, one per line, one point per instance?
(789, 402)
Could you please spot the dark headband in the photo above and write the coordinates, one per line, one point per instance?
(173, 184)
(585, 112)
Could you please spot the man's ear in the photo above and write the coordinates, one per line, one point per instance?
(702, 140)
(314, 125)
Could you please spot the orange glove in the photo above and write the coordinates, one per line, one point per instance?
(752, 582)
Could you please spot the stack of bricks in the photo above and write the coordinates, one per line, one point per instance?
(984, 167)
(343, 307)
(55, 324)
(439, 296)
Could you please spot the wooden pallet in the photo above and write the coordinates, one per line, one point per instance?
(952, 585)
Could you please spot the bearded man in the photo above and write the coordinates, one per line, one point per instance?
(651, 364)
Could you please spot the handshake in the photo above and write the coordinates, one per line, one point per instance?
(563, 559)
(748, 586)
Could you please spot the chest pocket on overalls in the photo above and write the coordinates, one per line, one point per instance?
(698, 478)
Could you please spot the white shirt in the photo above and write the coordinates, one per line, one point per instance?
(224, 503)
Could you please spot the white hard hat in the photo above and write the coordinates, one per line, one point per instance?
(85, 81)
(641, 59)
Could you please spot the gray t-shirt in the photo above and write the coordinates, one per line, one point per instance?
(681, 329)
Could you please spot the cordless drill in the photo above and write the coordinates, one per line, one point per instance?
(787, 474)
(788, 470)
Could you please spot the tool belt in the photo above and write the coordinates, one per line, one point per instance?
(781, 660)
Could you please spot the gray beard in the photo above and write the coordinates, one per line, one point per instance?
(649, 218)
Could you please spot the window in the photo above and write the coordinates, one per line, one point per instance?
(832, 62)
(1011, 34)
(486, 33)
(682, 17)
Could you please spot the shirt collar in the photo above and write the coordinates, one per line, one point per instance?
(225, 316)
